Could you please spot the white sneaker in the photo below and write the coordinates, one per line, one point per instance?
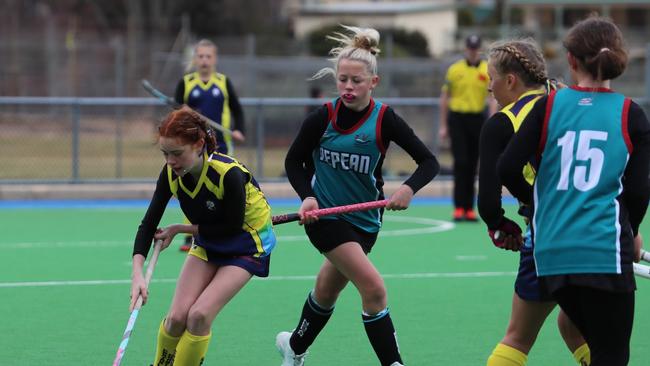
(289, 358)
(396, 364)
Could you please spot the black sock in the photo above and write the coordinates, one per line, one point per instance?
(381, 333)
(312, 321)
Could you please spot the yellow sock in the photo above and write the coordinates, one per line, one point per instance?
(506, 356)
(191, 349)
(582, 355)
(165, 347)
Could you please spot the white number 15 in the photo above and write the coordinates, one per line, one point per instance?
(590, 157)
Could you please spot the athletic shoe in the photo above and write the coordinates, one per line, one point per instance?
(396, 364)
(459, 214)
(470, 215)
(289, 358)
(187, 245)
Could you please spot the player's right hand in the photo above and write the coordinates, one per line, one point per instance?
(443, 134)
(238, 136)
(138, 287)
(507, 236)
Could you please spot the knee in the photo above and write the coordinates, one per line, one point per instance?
(325, 295)
(176, 322)
(374, 296)
(198, 320)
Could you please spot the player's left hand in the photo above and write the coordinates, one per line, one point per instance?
(401, 199)
(166, 235)
(238, 136)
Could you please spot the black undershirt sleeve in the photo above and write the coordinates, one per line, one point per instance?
(234, 204)
(235, 108)
(394, 128)
(180, 91)
(298, 162)
(151, 219)
(520, 150)
(636, 187)
(495, 135)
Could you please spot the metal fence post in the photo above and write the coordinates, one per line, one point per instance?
(76, 122)
(118, 47)
(647, 71)
(259, 150)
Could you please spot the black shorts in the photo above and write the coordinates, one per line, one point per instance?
(327, 234)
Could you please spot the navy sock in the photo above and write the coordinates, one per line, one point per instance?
(312, 321)
(382, 336)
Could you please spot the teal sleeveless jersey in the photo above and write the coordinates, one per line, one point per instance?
(584, 151)
(345, 164)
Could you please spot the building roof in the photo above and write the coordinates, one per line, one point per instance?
(351, 8)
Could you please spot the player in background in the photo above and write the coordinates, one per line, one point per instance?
(336, 159)
(211, 93)
(518, 78)
(591, 150)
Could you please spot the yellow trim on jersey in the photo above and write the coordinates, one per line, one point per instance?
(518, 119)
(467, 86)
(202, 180)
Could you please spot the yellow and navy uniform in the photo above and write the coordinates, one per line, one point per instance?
(215, 99)
(227, 204)
(495, 135)
(467, 86)
(516, 113)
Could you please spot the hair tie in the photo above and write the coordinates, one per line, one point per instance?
(604, 49)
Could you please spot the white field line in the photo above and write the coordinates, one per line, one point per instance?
(431, 226)
(401, 276)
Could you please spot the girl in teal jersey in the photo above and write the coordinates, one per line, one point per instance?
(518, 78)
(335, 160)
(591, 148)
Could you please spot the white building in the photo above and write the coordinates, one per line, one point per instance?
(435, 19)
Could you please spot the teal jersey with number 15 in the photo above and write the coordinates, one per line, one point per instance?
(584, 151)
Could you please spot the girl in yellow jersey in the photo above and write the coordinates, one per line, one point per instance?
(231, 225)
(517, 80)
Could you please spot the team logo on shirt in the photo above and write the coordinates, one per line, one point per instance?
(361, 139)
(196, 93)
(210, 205)
(585, 102)
(216, 92)
(345, 161)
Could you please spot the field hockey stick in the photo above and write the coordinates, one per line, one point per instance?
(174, 105)
(645, 256)
(364, 206)
(641, 270)
(138, 305)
